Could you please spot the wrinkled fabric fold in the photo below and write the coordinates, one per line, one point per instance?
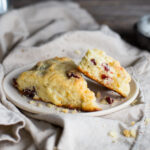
(49, 29)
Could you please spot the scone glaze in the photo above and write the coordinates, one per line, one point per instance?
(106, 71)
(57, 81)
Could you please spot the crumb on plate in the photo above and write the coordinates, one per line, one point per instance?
(57, 109)
(39, 105)
(64, 110)
(103, 101)
(31, 102)
(98, 94)
(74, 111)
(49, 105)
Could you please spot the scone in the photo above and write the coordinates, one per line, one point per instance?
(57, 81)
(106, 71)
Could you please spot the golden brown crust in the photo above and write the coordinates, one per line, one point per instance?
(91, 77)
(59, 82)
(65, 106)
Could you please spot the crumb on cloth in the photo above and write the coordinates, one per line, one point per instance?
(129, 133)
(133, 123)
(113, 134)
(147, 121)
(78, 52)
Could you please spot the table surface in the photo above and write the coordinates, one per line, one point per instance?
(119, 15)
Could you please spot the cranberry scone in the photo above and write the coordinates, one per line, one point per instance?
(59, 82)
(106, 71)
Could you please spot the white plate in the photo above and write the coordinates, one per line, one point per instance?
(23, 102)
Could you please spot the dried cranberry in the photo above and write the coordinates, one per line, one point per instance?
(106, 67)
(72, 74)
(109, 100)
(93, 61)
(14, 83)
(29, 93)
(103, 76)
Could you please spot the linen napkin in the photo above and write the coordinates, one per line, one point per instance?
(40, 32)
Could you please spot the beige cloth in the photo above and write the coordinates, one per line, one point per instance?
(24, 32)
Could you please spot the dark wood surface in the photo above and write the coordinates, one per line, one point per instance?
(120, 15)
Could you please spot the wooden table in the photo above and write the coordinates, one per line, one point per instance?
(120, 15)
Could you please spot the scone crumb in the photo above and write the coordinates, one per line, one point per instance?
(129, 133)
(39, 105)
(113, 134)
(103, 101)
(98, 94)
(57, 109)
(74, 111)
(126, 133)
(78, 52)
(147, 121)
(133, 133)
(31, 102)
(114, 140)
(132, 123)
(64, 110)
(49, 105)
(36, 97)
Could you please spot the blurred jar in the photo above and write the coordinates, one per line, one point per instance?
(142, 28)
(5, 5)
